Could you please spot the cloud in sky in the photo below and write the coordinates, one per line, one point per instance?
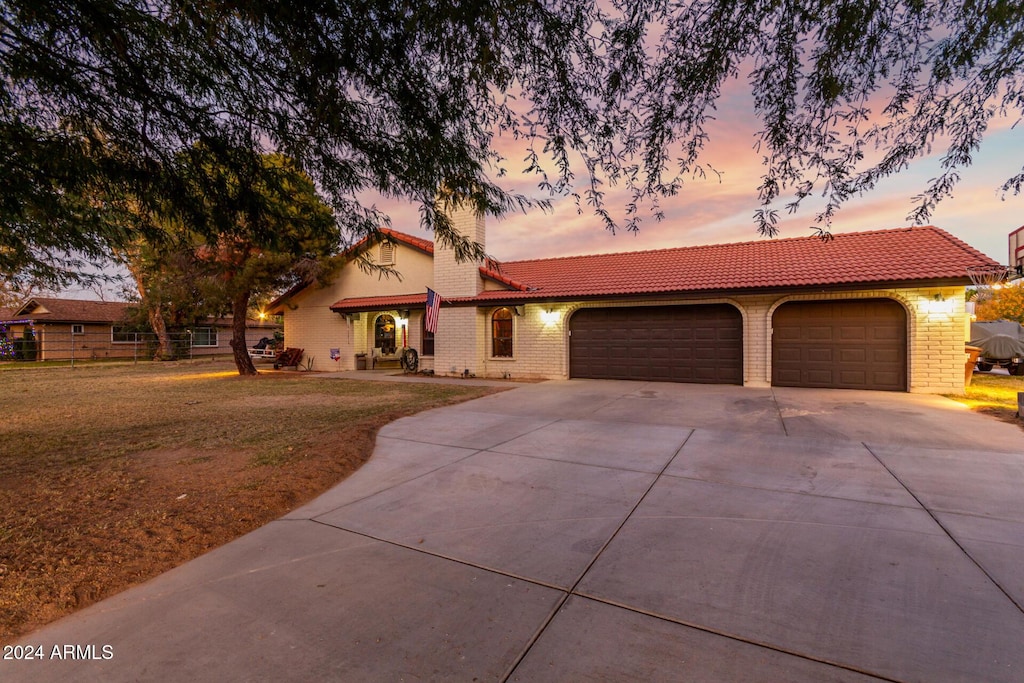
(714, 210)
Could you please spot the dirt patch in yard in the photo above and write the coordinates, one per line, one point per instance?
(107, 481)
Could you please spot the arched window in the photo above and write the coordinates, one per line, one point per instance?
(501, 333)
(384, 335)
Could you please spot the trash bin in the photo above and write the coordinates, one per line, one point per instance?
(972, 357)
(360, 361)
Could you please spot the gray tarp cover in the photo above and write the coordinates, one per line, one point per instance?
(1000, 339)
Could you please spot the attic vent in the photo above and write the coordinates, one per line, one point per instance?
(387, 254)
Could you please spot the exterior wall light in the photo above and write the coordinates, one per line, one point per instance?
(549, 318)
(937, 306)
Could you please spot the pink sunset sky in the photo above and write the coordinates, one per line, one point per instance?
(713, 210)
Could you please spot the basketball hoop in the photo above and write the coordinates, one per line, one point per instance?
(986, 279)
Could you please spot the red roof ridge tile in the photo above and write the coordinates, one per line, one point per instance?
(418, 242)
(502, 278)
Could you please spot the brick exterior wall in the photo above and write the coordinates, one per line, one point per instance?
(935, 335)
(458, 344)
(452, 278)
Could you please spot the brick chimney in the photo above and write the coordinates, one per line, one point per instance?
(452, 278)
(460, 338)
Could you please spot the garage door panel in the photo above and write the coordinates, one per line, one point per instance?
(816, 355)
(618, 352)
(818, 375)
(853, 355)
(661, 334)
(787, 334)
(854, 378)
(857, 344)
(887, 334)
(850, 333)
(885, 377)
(790, 355)
(817, 333)
(699, 343)
(886, 356)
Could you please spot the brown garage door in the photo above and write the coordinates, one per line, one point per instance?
(858, 344)
(659, 343)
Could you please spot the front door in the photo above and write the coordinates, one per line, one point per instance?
(384, 335)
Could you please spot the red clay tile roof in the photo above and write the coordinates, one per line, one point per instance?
(277, 305)
(881, 256)
(375, 303)
(903, 255)
(417, 242)
(503, 278)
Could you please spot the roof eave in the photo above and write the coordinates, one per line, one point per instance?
(540, 297)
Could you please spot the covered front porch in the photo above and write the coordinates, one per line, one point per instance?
(382, 336)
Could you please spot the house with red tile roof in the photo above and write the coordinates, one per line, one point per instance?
(881, 309)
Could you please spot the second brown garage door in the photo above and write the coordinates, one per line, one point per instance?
(702, 343)
(857, 344)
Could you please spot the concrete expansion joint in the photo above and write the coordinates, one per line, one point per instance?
(736, 638)
(778, 411)
(945, 530)
(573, 590)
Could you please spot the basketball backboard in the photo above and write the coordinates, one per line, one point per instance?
(1017, 249)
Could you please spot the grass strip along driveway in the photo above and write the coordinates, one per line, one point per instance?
(993, 394)
(110, 475)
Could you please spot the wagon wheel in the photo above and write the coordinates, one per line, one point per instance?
(410, 360)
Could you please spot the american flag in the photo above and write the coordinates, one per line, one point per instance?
(433, 308)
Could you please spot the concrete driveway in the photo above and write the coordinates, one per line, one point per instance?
(591, 530)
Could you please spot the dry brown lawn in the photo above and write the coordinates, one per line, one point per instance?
(110, 475)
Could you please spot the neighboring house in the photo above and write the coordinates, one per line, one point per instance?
(869, 310)
(69, 328)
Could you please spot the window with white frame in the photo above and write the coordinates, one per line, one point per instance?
(204, 336)
(78, 328)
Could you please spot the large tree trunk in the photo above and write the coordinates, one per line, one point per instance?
(239, 347)
(164, 350)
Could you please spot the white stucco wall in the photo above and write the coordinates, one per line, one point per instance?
(310, 324)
